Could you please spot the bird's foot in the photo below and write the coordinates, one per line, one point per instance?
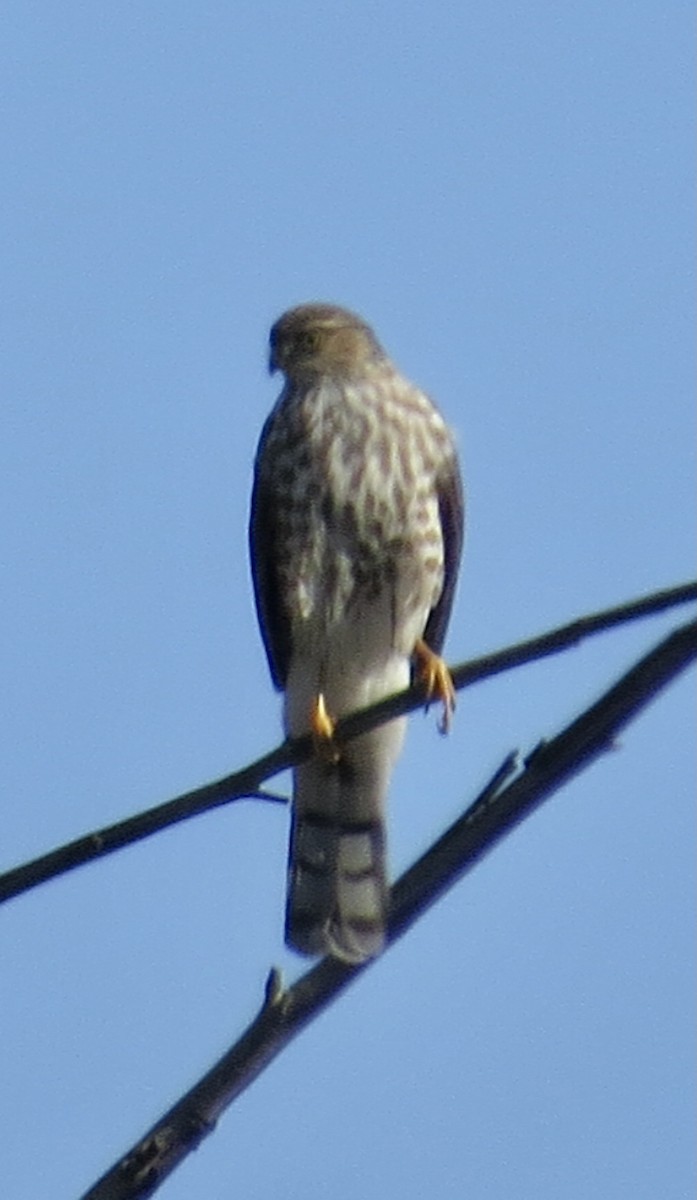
(322, 729)
(435, 678)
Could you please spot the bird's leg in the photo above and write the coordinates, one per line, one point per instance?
(435, 678)
(322, 729)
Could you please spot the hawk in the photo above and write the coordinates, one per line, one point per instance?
(355, 536)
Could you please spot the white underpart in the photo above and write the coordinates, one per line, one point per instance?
(353, 648)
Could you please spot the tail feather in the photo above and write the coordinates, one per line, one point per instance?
(337, 883)
(357, 930)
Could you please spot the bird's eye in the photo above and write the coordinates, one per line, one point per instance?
(308, 341)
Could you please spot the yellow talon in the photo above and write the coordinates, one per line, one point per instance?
(436, 680)
(322, 729)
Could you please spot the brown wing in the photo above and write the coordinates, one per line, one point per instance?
(451, 505)
(263, 549)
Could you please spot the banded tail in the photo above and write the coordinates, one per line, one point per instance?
(337, 873)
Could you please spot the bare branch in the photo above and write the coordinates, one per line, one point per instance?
(246, 784)
(285, 1012)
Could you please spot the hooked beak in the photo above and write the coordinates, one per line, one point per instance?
(274, 364)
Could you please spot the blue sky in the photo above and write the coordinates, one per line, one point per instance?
(505, 191)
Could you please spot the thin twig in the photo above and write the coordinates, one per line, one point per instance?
(284, 1013)
(247, 782)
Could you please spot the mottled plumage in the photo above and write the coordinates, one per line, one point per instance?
(355, 533)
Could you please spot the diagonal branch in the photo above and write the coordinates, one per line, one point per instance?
(247, 782)
(495, 813)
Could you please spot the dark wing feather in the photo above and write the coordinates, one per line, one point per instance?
(451, 505)
(273, 619)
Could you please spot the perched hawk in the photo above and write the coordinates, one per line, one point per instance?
(355, 534)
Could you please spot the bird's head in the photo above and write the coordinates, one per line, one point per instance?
(316, 340)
